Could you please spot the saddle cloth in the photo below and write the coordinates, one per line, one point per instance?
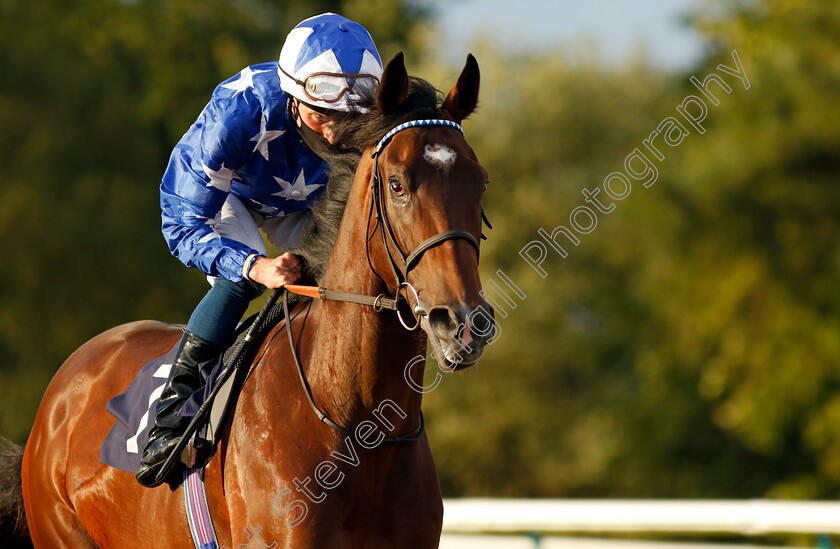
(134, 410)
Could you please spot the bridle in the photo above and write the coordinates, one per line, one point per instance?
(377, 211)
(380, 302)
(382, 222)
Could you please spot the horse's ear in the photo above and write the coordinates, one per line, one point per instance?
(463, 97)
(394, 87)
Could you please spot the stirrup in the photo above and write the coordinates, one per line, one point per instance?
(197, 452)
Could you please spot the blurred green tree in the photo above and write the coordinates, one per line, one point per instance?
(688, 347)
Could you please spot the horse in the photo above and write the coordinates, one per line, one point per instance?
(281, 476)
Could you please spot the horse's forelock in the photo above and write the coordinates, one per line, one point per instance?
(355, 133)
(362, 130)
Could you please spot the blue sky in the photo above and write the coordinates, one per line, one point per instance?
(618, 28)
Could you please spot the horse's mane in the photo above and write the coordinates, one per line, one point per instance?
(355, 133)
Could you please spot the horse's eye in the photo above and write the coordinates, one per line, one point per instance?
(396, 187)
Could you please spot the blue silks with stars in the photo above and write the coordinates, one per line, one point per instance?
(244, 143)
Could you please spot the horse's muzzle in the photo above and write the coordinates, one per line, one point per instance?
(459, 335)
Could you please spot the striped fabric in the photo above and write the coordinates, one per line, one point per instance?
(201, 526)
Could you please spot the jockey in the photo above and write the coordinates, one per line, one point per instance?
(247, 164)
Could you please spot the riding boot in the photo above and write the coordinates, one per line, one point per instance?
(183, 381)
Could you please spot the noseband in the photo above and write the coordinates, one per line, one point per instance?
(410, 260)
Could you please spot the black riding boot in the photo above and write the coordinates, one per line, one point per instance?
(183, 381)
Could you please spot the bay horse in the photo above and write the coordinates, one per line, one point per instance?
(281, 477)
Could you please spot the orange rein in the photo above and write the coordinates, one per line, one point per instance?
(309, 291)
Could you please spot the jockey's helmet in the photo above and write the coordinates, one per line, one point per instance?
(327, 61)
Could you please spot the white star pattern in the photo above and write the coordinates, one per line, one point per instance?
(210, 236)
(299, 191)
(264, 137)
(245, 81)
(263, 208)
(213, 235)
(220, 179)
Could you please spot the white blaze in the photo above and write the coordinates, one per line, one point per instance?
(440, 156)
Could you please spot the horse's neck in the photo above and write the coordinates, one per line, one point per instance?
(359, 360)
(360, 356)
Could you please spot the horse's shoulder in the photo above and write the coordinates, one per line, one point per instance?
(273, 365)
(304, 316)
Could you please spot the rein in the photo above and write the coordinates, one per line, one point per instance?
(407, 437)
(381, 301)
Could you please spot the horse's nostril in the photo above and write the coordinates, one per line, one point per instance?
(441, 321)
(481, 324)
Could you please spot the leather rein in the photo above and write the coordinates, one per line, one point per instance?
(380, 302)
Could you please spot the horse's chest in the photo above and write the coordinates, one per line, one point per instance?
(354, 500)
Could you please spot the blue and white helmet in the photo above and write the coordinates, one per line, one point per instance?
(327, 60)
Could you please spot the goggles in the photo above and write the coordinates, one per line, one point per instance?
(330, 87)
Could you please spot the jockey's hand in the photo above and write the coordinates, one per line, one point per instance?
(274, 273)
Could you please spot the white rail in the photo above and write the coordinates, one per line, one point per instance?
(747, 518)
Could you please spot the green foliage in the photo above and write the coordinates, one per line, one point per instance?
(688, 347)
